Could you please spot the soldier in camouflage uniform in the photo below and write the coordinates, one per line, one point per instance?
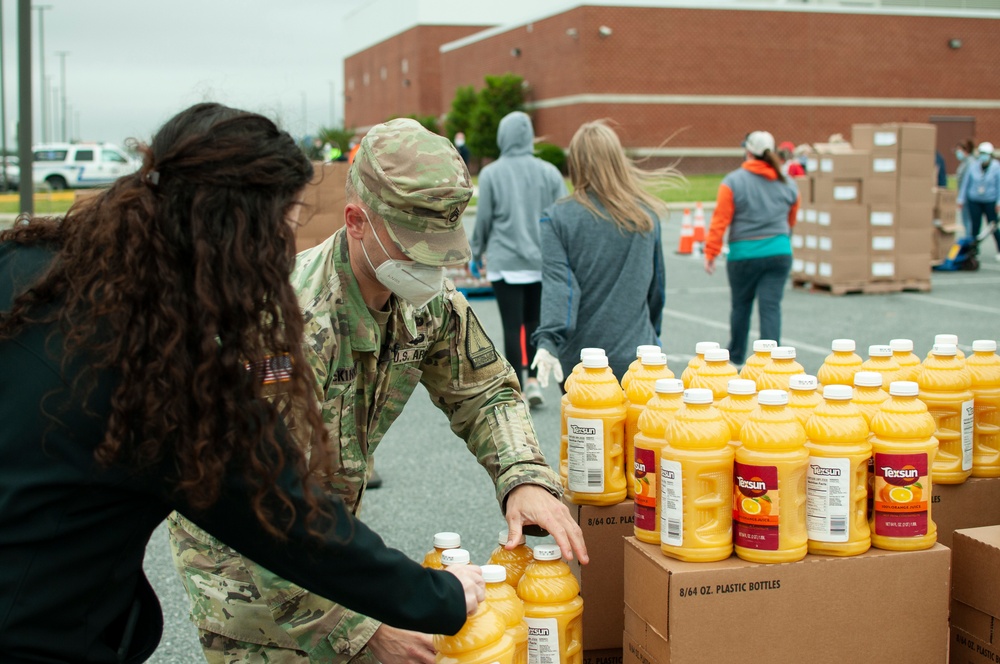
(370, 342)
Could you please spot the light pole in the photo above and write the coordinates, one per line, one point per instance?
(3, 107)
(43, 85)
(62, 91)
(27, 203)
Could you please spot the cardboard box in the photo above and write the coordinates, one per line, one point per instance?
(976, 569)
(901, 137)
(882, 268)
(608, 656)
(804, 185)
(971, 504)
(967, 649)
(842, 217)
(882, 217)
(833, 242)
(810, 268)
(845, 165)
(913, 267)
(838, 191)
(815, 610)
(916, 191)
(885, 165)
(917, 165)
(798, 267)
(915, 217)
(882, 244)
(912, 241)
(974, 622)
(881, 191)
(842, 269)
(324, 200)
(602, 580)
(942, 237)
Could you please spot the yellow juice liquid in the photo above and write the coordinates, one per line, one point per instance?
(432, 559)
(904, 447)
(802, 403)
(553, 610)
(514, 561)
(696, 471)
(868, 399)
(648, 442)
(637, 362)
(756, 362)
(483, 640)
(837, 482)
(777, 373)
(909, 365)
(839, 368)
(714, 376)
(595, 421)
(984, 366)
(735, 409)
(563, 402)
(640, 390)
(769, 494)
(946, 390)
(887, 366)
(504, 600)
(695, 363)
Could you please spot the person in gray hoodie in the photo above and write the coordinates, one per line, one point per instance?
(513, 191)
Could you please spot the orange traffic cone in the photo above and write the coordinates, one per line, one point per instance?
(686, 242)
(699, 223)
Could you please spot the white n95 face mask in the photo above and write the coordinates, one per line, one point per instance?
(414, 282)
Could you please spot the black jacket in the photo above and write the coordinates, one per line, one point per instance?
(73, 534)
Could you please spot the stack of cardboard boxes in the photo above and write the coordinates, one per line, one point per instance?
(866, 209)
(975, 596)
(945, 224)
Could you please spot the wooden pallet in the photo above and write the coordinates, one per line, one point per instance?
(865, 287)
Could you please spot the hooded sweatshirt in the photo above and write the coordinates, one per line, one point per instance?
(513, 191)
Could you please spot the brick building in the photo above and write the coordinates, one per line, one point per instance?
(703, 77)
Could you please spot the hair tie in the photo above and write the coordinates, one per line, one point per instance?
(153, 178)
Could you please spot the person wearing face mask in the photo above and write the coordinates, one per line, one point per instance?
(965, 153)
(979, 190)
(380, 316)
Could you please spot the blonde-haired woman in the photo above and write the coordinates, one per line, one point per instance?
(602, 272)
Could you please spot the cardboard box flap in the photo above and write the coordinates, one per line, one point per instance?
(976, 568)
(981, 625)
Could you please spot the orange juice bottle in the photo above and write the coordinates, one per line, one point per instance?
(563, 402)
(697, 361)
(803, 396)
(696, 472)
(595, 425)
(769, 492)
(946, 389)
(868, 393)
(761, 356)
(652, 367)
(940, 339)
(442, 542)
(737, 405)
(652, 435)
(637, 362)
(840, 366)
(880, 359)
(483, 639)
(515, 560)
(909, 363)
(779, 370)
(984, 365)
(837, 482)
(904, 446)
(715, 373)
(504, 600)
(553, 608)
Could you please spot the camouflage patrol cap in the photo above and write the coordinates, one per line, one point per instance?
(416, 181)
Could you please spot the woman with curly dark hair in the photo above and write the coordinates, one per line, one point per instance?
(139, 336)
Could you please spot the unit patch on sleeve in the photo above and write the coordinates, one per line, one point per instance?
(478, 347)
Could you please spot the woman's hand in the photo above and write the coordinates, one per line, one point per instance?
(709, 265)
(547, 363)
(471, 577)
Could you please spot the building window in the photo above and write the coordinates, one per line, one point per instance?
(383, 73)
(350, 83)
(365, 79)
(404, 66)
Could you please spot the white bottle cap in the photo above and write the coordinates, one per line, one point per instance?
(838, 392)
(984, 346)
(717, 355)
(945, 350)
(455, 557)
(595, 362)
(742, 386)
(772, 398)
(447, 540)
(703, 346)
(901, 345)
(668, 386)
(697, 395)
(843, 345)
(762, 345)
(868, 379)
(880, 350)
(803, 382)
(494, 573)
(642, 350)
(505, 534)
(783, 353)
(945, 339)
(585, 352)
(655, 359)
(904, 388)
(547, 552)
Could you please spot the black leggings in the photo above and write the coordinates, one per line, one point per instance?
(519, 304)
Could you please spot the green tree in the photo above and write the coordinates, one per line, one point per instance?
(502, 95)
(459, 118)
(339, 136)
(428, 122)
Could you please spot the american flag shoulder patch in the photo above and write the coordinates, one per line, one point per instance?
(272, 369)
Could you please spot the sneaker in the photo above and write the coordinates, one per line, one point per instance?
(533, 392)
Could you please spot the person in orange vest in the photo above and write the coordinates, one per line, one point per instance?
(353, 151)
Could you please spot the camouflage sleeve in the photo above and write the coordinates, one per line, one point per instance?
(479, 392)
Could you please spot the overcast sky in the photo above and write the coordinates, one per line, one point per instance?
(132, 64)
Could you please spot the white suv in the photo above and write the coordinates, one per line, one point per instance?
(77, 165)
